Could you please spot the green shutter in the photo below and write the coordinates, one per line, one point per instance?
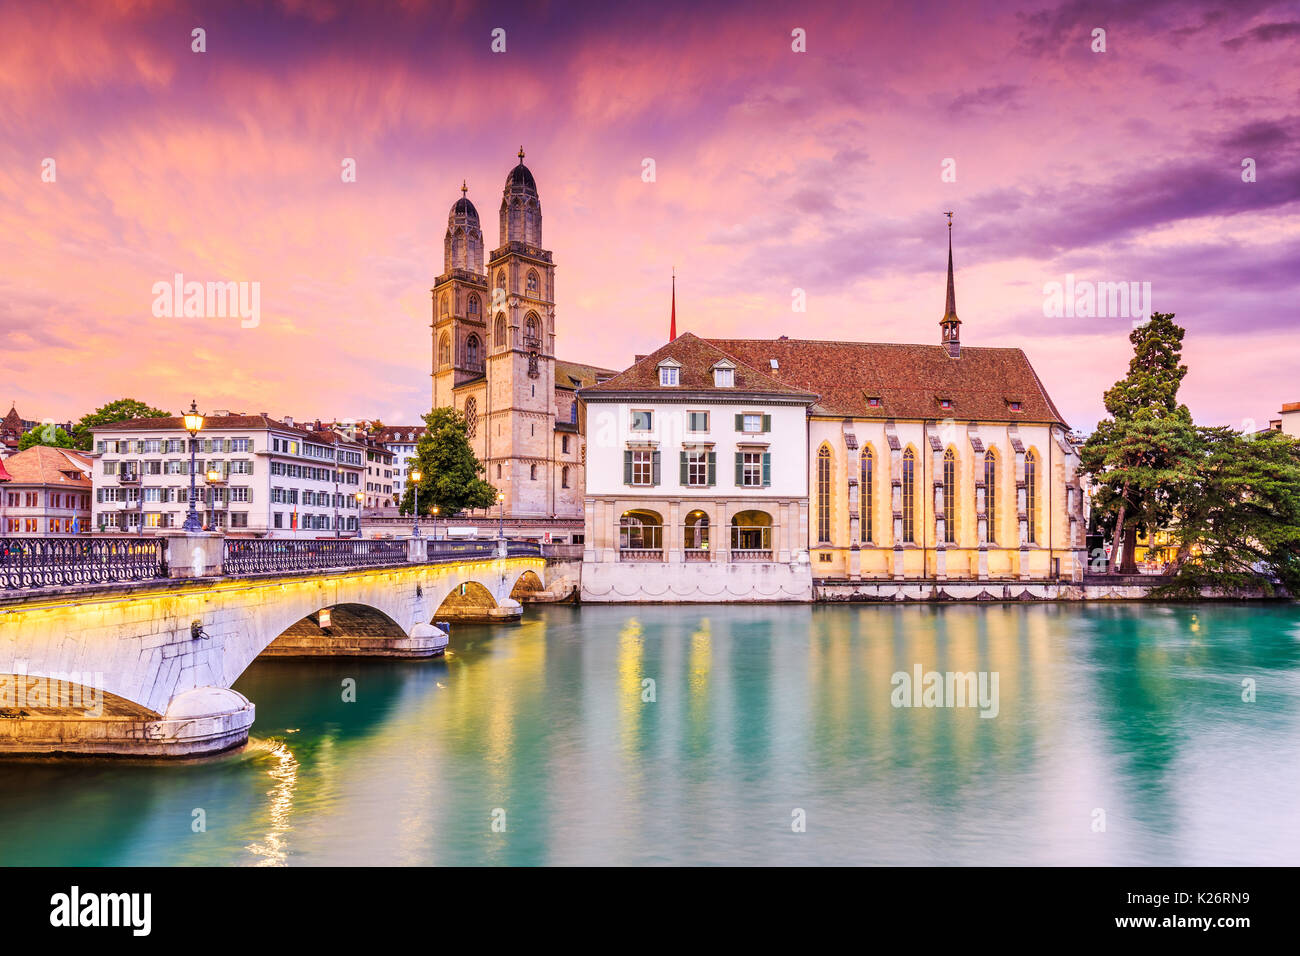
(654, 468)
(740, 423)
(713, 468)
(740, 469)
(767, 468)
(685, 475)
(627, 467)
(767, 423)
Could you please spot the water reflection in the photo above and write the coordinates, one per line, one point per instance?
(551, 731)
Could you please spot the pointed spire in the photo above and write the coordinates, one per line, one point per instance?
(950, 324)
(672, 322)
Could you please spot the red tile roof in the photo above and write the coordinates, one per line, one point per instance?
(46, 465)
(697, 357)
(909, 380)
(210, 422)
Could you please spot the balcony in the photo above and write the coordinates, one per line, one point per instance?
(128, 477)
(641, 554)
(697, 554)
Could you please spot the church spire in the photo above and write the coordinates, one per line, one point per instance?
(950, 324)
(672, 322)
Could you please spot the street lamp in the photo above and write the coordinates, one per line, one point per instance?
(193, 423)
(435, 522)
(501, 514)
(361, 498)
(214, 476)
(416, 475)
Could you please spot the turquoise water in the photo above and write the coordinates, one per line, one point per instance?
(758, 713)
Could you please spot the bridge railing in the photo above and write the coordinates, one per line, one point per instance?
(37, 562)
(451, 550)
(259, 555)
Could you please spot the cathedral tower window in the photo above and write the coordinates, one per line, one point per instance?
(824, 494)
(532, 281)
(866, 492)
(531, 337)
(991, 496)
(949, 496)
(444, 349)
(473, 305)
(1031, 494)
(501, 340)
(473, 352)
(909, 497)
(471, 422)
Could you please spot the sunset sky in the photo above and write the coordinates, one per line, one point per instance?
(775, 170)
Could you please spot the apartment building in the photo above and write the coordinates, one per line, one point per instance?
(45, 491)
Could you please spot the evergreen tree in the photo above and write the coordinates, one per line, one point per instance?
(450, 473)
(1141, 458)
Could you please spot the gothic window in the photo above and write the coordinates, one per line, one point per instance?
(531, 337)
(909, 497)
(473, 352)
(949, 496)
(442, 308)
(866, 498)
(473, 306)
(564, 476)
(501, 279)
(991, 496)
(471, 418)
(532, 281)
(824, 494)
(444, 349)
(1031, 494)
(501, 332)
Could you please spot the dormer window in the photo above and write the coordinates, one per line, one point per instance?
(670, 373)
(1015, 406)
(724, 375)
(945, 403)
(873, 401)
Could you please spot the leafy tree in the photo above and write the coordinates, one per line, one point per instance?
(121, 410)
(1239, 524)
(449, 470)
(1141, 458)
(51, 435)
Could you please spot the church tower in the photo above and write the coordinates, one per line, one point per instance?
(460, 303)
(521, 353)
(950, 325)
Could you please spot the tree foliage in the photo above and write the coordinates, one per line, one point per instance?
(51, 435)
(121, 410)
(450, 472)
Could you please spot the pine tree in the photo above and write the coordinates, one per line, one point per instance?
(1143, 455)
(450, 473)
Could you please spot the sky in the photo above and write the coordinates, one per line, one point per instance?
(826, 171)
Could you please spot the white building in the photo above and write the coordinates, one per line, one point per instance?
(697, 482)
(401, 441)
(254, 475)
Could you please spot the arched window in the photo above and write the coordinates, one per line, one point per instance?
(824, 494)
(532, 472)
(697, 536)
(564, 474)
(471, 418)
(866, 492)
(1031, 494)
(473, 352)
(473, 305)
(444, 305)
(530, 330)
(532, 281)
(949, 496)
(501, 279)
(641, 535)
(909, 496)
(991, 496)
(444, 349)
(500, 332)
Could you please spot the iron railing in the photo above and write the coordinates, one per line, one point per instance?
(260, 555)
(31, 562)
(451, 550)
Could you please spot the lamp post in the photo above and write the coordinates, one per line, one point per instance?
(435, 522)
(416, 475)
(501, 514)
(214, 476)
(193, 424)
(361, 499)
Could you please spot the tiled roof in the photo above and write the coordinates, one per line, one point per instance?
(45, 465)
(697, 357)
(909, 380)
(577, 375)
(210, 422)
(398, 433)
(1291, 407)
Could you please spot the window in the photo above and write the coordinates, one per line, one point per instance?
(697, 421)
(669, 375)
(532, 281)
(564, 444)
(473, 305)
(444, 349)
(866, 492)
(753, 423)
(991, 496)
(1015, 406)
(873, 402)
(640, 531)
(699, 468)
(531, 337)
(824, 494)
(641, 467)
(753, 469)
(501, 279)
(532, 472)
(909, 497)
(471, 417)
(564, 476)
(642, 420)
(500, 333)
(472, 352)
(724, 377)
(949, 496)
(442, 308)
(1031, 494)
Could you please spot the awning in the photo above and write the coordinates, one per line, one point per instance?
(4, 475)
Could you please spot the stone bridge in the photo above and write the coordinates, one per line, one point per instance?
(145, 667)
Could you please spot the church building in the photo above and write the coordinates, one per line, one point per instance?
(494, 359)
